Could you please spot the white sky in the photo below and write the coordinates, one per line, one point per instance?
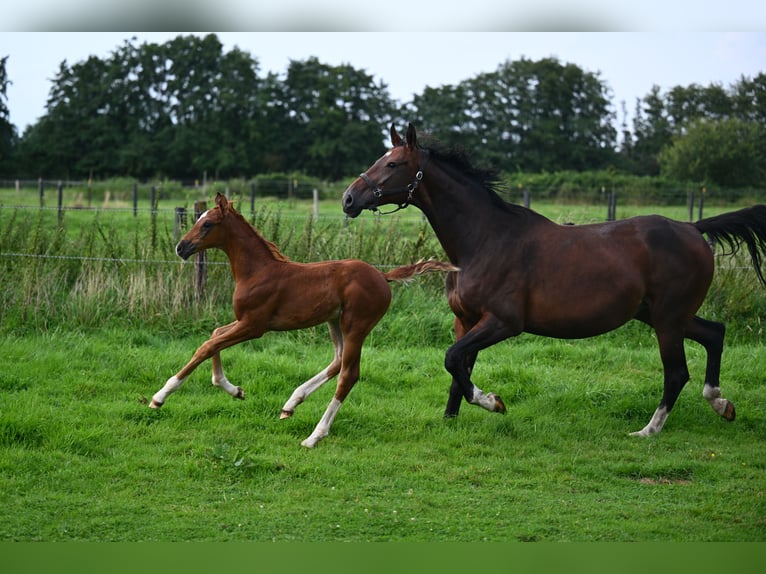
(630, 63)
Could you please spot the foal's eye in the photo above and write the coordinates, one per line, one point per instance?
(207, 224)
(391, 164)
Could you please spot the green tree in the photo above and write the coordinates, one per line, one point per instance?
(8, 135)
(527, 115)
(335, 117)
(727, 153)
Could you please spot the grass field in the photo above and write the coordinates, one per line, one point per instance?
(86, 343)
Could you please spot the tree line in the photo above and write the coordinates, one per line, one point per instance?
(187, 107)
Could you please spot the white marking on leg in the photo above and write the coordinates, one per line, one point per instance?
(713, 396)
(220, 380)
(170, 387)
(323, 426)
(484, 400)
(303, 391)
(655, 425)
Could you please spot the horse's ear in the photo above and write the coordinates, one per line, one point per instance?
(221, 201)
(412, 137)
(396, 139)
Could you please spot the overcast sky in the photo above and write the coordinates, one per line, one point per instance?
(630, 63)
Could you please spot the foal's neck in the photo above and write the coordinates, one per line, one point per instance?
(248, 251)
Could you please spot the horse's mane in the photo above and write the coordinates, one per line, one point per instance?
(487, 179)
(272, 247)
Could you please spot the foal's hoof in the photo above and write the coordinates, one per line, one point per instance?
(729, 413)
(240, 394)
(285, 414)
(154, 404)
(499, 404)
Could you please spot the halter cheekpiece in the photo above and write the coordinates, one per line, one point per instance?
(379, 193)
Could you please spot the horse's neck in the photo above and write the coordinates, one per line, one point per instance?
(460, 215)
(247, 251)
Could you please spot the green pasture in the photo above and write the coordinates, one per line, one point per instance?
(97, 312)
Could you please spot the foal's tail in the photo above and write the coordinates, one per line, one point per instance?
(407, 272)
(746, 225)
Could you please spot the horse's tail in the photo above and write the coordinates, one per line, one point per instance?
(731, 229)
(407, 272)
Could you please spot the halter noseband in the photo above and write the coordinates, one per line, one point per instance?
(379, 193)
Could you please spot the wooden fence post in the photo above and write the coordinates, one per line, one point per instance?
(60, 193)
(200, 258)
(41, 187)
(252, 198)
(135, 200)
(179, 222)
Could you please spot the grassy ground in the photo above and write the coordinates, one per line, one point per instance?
(83, 458)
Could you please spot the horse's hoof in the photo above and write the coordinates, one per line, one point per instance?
(285, 414)
(240, 394)
(154, 404)
(499, 405)
(729, 413)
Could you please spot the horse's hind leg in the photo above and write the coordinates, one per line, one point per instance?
(303, 391)
(676, 375)
(710, 335)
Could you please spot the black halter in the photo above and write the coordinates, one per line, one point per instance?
(379, 193)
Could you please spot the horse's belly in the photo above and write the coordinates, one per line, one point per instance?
(577, 318)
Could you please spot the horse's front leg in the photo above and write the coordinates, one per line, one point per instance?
(456, 392)
(460, 356)
(219, 378)
(235, 333)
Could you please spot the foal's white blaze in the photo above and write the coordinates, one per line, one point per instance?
(323, 426)
(655, 425)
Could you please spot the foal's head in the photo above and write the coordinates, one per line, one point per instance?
(209, 230)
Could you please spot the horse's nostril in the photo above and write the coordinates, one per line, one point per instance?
(348, 200)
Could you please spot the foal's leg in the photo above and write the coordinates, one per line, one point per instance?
(349, 375)
(710, 335)
(235, 333)
(219, 378)
(676, 375)
(302, 392)
(460, 356)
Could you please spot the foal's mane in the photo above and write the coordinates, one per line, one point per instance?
(486, 179)
(273, 249)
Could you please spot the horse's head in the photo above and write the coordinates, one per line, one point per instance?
(392, 179)
(208, 230)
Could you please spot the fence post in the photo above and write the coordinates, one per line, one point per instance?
(316, 204)
(200, 258)
(179, 221)
(611, 210)
(252, 198)
(690, 204)
(135, 200)
(702, 202)
(41, 187)
(60, 195)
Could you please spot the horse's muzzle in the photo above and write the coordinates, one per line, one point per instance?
(350, 206)
(185, 249)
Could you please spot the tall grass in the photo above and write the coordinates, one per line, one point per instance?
(89, 268)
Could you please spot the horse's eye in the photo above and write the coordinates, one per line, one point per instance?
(391, 164)
(207, 224)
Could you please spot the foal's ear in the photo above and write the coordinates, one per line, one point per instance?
(396, 139)
(412, 137)
(221, 201)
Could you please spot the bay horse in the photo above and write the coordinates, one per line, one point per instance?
(520, 272)
(272, 293)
